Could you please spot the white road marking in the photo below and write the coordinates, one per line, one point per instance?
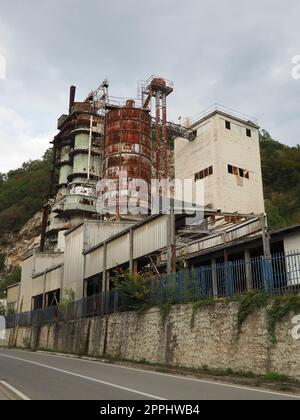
(240, 387)
(85, 377)
(244, 388)
(15, 391)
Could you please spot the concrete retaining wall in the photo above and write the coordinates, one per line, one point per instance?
(212, 341)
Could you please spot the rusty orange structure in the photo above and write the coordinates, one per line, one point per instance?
(159, 88)
(127, 146)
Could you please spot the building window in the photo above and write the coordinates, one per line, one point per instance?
(204, 174)
(52, 298)
(242, 173)
(228, 125)
(248, 132)
(86, 202)
(37, 302)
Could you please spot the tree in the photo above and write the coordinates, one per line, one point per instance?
(281, 179)
(9, 279)
(133, 288)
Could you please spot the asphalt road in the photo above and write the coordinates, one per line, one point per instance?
(40, 376)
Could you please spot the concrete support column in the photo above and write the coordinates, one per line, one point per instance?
(105, 280)
(105, 274)
(171, 240)
(44, 290)
(265, 237)
(135, 266)
(248, 271)
(214, 277)
(131, 261)
(84, 288)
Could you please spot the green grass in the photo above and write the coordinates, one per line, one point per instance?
(276, 377)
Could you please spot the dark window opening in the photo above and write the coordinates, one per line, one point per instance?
(248, 132)
(93, 286)
(203, 174)
(37, 302)
(228, 125)
(87, 202)
(243, 173)
(52, 298)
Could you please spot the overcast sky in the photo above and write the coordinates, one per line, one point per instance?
(234, 52)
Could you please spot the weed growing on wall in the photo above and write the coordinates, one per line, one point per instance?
(280, 308)
(165, 310)
(248, 305)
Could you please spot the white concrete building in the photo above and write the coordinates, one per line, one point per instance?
(225, 154)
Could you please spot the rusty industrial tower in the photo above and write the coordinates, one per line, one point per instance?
(99, 138)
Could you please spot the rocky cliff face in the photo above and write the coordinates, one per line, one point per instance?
(13, 246)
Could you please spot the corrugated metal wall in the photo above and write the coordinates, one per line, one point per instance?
(51, 279)
(147, 238)
(93, 263)
(26, 284)
(150, 237)
(54, 279)
(13, 294)
(97, 231)
(38, 285)
(44, 261)
(73, 264)
(118, 251)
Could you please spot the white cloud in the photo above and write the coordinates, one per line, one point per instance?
(18, 141)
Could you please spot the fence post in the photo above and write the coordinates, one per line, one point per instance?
(229, 279)
(267, 274)
(214, 277)
(248, 270)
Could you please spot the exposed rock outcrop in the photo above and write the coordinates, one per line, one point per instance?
(13, 246)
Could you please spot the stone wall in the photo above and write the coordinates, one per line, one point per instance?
(212, 341)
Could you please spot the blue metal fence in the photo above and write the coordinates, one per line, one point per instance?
(277, 275)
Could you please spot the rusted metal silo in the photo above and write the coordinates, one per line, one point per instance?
(128, 146)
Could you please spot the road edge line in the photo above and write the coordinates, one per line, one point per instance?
(15, 391)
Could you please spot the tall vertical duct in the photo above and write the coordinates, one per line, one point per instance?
(159, 88)
(72, 98)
